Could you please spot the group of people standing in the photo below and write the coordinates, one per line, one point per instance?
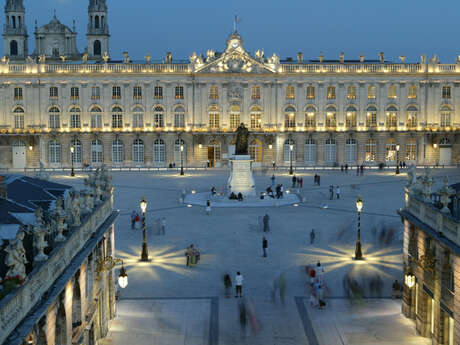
(238, 285)
(297, 182)
(316, 285)
(332, 190)
(192, 255)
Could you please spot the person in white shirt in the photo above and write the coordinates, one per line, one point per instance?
(163, 226)
(239, 285)
(337, 192)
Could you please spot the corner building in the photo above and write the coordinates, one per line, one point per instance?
(132, 113)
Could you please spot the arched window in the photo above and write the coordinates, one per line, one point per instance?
(411, 149)
(214, 117)
(96, 117)
(54, 152)
(371, 150)
(290, 92)
(412, 117)
(392, 92)
(351, 117)
(75, 117)
(330, 117)
(371, 117)
(159, 152)
(256, 117)
(138, 151)
(54, 118)
(391, 150)
(331, 151)
(77, 154)
(445, 116)
(97, 48)
(178, 153)
(158, 117)
(255, 150)
(117, 151)
(392, 117)
(138, 117)
(289, 117)
(445, 142)
(117, 117)
(351, 92)
(310, 151)
(18, 118)
(350, 151)
(235, 117)
(179, 117)
(14, 48)
(96, 151)
(310, 92)
(289, 151)
(213, 92)
(310, 117)
(372, 92)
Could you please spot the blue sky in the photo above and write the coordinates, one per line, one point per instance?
(395, 27)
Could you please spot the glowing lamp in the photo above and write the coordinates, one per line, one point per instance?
(409, 280)
(359, 204)
(182, 148)
(72, 149)
(31, 148)
(397, 147)
(270, 146)
(435, 146)
(143, 204)
(123, 278)
(200, 146)
(291, 147)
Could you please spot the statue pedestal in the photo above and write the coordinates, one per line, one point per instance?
(241, 179)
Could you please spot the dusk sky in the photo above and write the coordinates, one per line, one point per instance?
(395, 27)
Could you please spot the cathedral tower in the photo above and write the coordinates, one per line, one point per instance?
(98, 29)
(15, 31)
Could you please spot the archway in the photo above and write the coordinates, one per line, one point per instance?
(61, 326)
(97, 48)
(14, 48)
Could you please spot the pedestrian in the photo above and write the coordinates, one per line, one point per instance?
(315, 179)
(208, 208)
(319, 180)
(320, 271)
(362, 169)
(282, 285)
(266, 223)
(337, 192)
(273, 180)
(239, 285)
(341, 168)
(163, 226)
(264, 246)
(281, 191)
(331, 192)
(133, 220)
(188, 255)
(294, 180)
(346, 168)
(312, 236)
(357, 170)
(301, 183)
(228, 285)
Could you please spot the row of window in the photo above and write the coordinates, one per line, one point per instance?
(214, 92)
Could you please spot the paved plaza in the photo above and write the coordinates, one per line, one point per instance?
(168, 303)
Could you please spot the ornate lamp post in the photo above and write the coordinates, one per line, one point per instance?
(409, 279)
(72, 151)
(397, 159)
(358, 252)
(291, 170)
(122, 277)
(145, 252)
(182, 159)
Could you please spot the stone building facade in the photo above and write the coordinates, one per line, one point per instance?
(431, 257)
(61, 259)
(138, 114)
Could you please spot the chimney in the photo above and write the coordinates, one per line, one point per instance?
(300, 57)
(3, 188)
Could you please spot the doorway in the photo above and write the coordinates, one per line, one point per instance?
(19, 155)
(211, 161)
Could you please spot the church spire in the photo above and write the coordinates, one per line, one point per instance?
(98, 29)
(15, 30)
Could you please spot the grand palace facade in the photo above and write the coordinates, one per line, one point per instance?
(151, 114)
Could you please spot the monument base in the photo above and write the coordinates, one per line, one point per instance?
(241, 179)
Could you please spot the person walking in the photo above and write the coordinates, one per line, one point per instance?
(319, 180)
(228, 285)
(188, 255)
(273, 180)
(163, 226)
(312, 236)
(357, 170)
(337, 192)
(301, 183)
(208, 208)
(294, 180)
(331, 192)
(264, 246)
(282, 283)
(315, 179)
(266, 223)
(133, 220)
(239, 285)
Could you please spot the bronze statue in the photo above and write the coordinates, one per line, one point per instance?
(242, 135)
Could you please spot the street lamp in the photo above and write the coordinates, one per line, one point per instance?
(145, 252)
(397, 159)
(122, 277)
(72, 151)
(291, 170)
(409, 279)
(358, 252)
(182, 159)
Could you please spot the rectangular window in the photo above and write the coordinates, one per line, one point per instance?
(446, 92)
(137, 92)
(255, 92)
(214, 92)
(95, 92)
(179, 92)
(138, 120)
(351, 92)
(445, 118)
(310, 92)
(96, 121)
(214, 120)
(117, 121)
(351, 119)
(392, 92)
(331, 92)
(234, 120)
(18, 94)
(19, 121)
(256, 120)
(372, 92)
(310, 119)
(54, 93)
(290, 92)
(330, 120)
(158, 92)
(75, 121)
(289, 120)
(116, 92)
(412, 92)
(371, 119)
(54, 121)
(158, 121)
(179, 120)
(74, 93)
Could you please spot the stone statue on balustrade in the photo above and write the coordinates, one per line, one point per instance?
(60, 217)
(16, 256)
(411, 176)
(76, 219)
(446, 192)
(42, 174)
(427, 182)
(39, 232)
(89, 197)
(242, 144)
